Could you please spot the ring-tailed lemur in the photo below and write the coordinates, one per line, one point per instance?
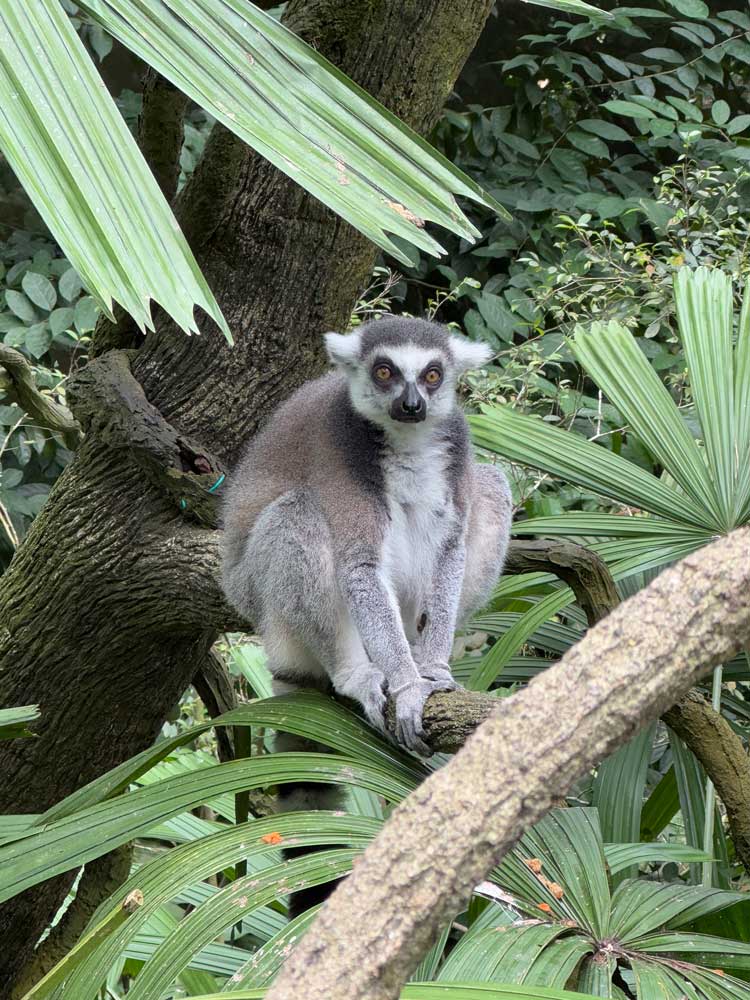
(358, 530)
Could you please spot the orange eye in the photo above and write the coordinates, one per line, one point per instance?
(383, 373)
(433, 376)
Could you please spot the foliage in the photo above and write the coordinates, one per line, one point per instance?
(311, 122)
(549, 916)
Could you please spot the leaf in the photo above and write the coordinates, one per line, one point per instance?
(306, 713)
(720, 112)
(168, 875)
(84, 835)
(85, 314)
(640, 907)
(299, 111)
(38, 339)
(40, 290)
(622, 856)
(13, 721)
(628, 108)
(664, 55)
(20, 305)
(48, 984)
(61, 320)
(205, 923)
(69, 284)
(738, 124)
(588, 143)
(571, 7)
(690, 8)
(606, 130)
(90, 184)
(616, 64)
(660, 807)
(609, 353)
(619, 786)
(500, 957)
(264, 964)
(527, 440)
(568, 844)
(703, 300)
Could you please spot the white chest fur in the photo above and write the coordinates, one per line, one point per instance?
(422, 516)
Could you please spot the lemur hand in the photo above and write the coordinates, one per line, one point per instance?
(440, 673)
(410, 701)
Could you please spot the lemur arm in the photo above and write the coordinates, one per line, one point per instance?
(441, 611)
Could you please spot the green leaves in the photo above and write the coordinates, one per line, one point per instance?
(13, 721)
(295, 108)
(70, 148)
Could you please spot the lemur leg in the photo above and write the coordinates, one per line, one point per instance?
(487, 537)
(296, 590)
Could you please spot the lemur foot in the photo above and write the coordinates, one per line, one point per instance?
(367, 686)
(410, 701)
(440, 673)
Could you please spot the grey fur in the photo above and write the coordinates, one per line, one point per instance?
(344, 526)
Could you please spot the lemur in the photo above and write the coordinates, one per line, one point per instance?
(359, 532)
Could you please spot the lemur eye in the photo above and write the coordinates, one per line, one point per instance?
(383, 373)
(433, 376)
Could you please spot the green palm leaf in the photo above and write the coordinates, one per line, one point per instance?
(13, 721)
(75, 839)
(203, 925)
(619, 786)
(295, 108)
(70, 148)
(307, 713)
(507, 957)
(568, 843)
(703, 299)
(529, 441)
(610, 354)
(639, 908)
(264, 964)
(166, 876)
(622, 856)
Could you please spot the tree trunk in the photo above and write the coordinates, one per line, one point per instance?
(111, 604)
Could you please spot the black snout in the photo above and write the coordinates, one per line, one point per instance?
(410, 406)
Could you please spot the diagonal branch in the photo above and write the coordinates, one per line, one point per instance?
(462, 821)
(45, 411)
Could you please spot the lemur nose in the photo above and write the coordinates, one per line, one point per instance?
(412, 405)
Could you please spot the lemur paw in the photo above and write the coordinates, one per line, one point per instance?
(409, 702)
(439, 673)
(368, 688)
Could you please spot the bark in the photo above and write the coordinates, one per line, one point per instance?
(446, 836)
(722, 754)
(111, 602)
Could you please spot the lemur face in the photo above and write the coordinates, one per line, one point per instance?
(408, 384)
(403, 371)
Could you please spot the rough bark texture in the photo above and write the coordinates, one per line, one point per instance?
(455, 827)
(720, 751)
(111, 602)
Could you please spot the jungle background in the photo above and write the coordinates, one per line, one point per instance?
(620, 147)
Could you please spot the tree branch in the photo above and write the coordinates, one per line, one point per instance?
(722, 754)
(111, 404)
(46, 412)
(445, 837)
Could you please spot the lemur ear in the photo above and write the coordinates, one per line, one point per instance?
(470, 353)
(343, 348)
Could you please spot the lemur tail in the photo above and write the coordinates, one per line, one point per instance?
(307, 795)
